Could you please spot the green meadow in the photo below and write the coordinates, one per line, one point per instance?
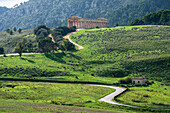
(52, 93)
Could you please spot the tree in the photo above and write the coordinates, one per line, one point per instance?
(20, 48)
(66, 45)
(1, 50)
(11, 32)
(73, 29)
(40, 27)
(137, 22)
(15, 29)
(165, 17)
(46, 45)
(19, 30)
(41, 32)
(56, 33)
(58, 38)
(8, 30)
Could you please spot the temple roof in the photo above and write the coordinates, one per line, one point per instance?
(77, 17)
(138, 78)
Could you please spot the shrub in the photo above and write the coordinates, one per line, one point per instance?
(128, 80)
(122, 81)
(125, 81)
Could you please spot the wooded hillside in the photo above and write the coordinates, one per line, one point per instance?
(55, 12)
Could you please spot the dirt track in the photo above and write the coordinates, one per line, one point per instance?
(68, 37)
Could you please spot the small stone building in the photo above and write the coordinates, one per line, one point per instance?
(138, 80)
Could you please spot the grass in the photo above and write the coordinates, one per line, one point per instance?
(121, 51)
(25, 107)
(154, 96)
(52, 93)
(109, 55)
(48, 97)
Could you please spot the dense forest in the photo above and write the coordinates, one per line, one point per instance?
(157, 18)
(125, 15)
(55, 12)
(3, 10)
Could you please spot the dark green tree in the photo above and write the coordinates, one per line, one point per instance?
(41, 34)
(11, 32)
(73, 29)
(41, 27)
(15, 29)
(117, 24)
(56, 33)
(46, 45)
(20, 48)
(19, 30)
(8, 30)
(58, 38)
(1, 50)
(165, 17)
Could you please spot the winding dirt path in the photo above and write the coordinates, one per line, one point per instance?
(68, 37)
(110, 97)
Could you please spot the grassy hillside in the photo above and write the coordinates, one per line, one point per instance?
(109, 55)
(126, 51)
(8, 42)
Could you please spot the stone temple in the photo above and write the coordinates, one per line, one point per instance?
(86, 22)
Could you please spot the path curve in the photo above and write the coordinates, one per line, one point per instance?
(68, 37)
(110, 97)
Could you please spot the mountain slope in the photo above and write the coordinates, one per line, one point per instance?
(125, 15)
(3, 10)
(55, 12)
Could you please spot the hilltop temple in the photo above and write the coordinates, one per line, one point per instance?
(86, 22)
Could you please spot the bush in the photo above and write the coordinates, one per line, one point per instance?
(128, 80)
(125, 81)
(122, 81)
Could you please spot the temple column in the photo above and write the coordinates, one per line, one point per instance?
(83, 25)
(78, 24)
(73, 23)
(68, 24)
